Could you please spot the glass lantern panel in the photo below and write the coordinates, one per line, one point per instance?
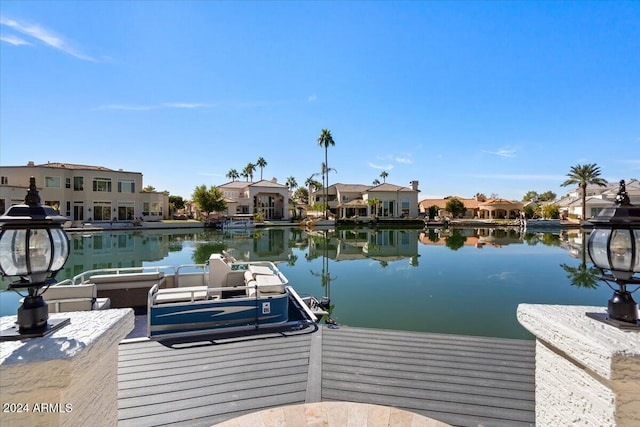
(636, 267)
(40, 250)
(60, 249)
(620, 247)
(598, 242)
(13, 253)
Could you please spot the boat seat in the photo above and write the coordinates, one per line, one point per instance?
(266, 284)
(127, 289)
(65, 298)
(185, 294)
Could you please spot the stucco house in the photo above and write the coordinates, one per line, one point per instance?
(383, 200)
(493, 208)
(84, 193)
(265, 197)
(597, 199)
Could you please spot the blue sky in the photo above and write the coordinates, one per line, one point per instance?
(466, 97)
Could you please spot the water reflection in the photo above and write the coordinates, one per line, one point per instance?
(134, 249)
(381, 278)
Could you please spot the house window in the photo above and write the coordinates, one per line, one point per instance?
(102, 211)
(102, 185)
(126, 212)
(4, 181)
(78, 183)
(67, 183)
(68, 210)
(126, 186)
(52, 181)
(404, 207)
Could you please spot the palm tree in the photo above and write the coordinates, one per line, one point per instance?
(376, 181)
(261, 163)
(249, 170)
(291, 183)
(233, 174)
(583, 175)
(384, 176)
(325, 140)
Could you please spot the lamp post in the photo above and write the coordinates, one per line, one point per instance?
(33, 248)
(614, 248)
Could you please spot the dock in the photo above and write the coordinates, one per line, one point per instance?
(459, 380)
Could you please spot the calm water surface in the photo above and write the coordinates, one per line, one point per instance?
(467, 281)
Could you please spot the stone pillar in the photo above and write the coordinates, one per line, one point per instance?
(68, 378)
(587, 372)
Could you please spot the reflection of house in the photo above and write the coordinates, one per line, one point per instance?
(486, 209)
(381, 245)
(84, 193)
(384, 200)
(597, 199)
(267, 198)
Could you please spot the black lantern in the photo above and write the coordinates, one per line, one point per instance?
(614, 248)
(33, 248)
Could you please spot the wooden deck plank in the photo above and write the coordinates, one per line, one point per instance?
(465, 381)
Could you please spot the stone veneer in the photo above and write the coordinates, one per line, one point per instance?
(68, 378)
(587, 372)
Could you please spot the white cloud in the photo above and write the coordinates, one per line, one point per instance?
(381, 167)
(503, 152)
(14, 40)
(164, 105)
(42, 35)
(404, 160)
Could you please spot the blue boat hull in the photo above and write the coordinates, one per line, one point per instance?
(220, 316)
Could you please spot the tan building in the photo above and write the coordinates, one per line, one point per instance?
(84, 193)
(267, 198)
(488, 209)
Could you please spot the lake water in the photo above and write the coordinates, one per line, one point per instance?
(467, 281)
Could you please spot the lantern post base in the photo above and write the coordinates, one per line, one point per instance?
(13, 333)
(620, 324)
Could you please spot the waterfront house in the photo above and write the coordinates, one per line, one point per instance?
(494, 208)
(265, 197)
(598, 198)
(383, 200)
(85, 193)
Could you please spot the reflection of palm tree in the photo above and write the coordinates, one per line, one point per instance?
(582, 276)
(325, 276)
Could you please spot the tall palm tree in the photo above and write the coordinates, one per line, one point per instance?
(384, 176)
(583, 175)
(261, 163)
(325, 140)
(233, 174)
(248, 171)
(291, 183)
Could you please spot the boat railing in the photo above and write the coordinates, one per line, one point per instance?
(200, 277)
(85, 276)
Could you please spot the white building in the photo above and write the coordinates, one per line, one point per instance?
(597, 199)
(391, 201)
(267, 198)
(84, 193)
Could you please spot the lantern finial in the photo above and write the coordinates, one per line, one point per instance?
(32, 198)
(622, 198)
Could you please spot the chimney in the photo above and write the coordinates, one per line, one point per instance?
(414, 185)
(31, 164)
